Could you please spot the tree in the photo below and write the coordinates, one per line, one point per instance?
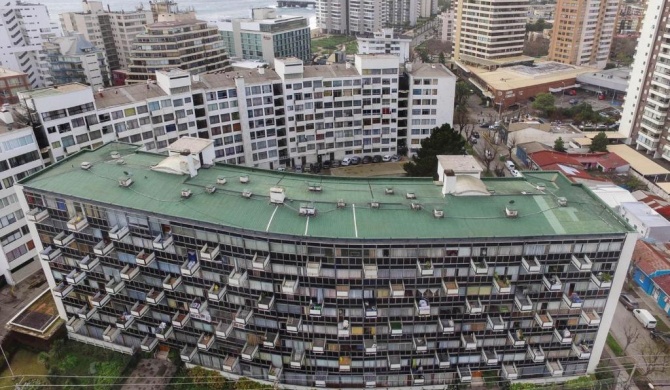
(443, 140)
(599, 143)
(462, 93)
(655, 357)
(545, 102)
(461, 118)
(442, 59)
(537, 47)
(559, 145)
(630, 334)
(511, 144)
(490, 152)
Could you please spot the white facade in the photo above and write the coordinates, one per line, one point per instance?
(385, 42)
(23, 29)
(646, 221)
(19, 157)
(447, 32)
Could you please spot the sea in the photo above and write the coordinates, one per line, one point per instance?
(210, 10)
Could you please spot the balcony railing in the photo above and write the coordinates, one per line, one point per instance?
(237, 277)
(425, 267)
(553, 283)
(223, 329)
(274, 373)
(563, 336)
(490, 357)
(469, 341)
(480, 267)
(88, 263)
(187, 353)
(591, 317)
(209, 253)
(370, 346)
(129, 272)
(50, 253)
(230, 363)
(62, 290)
(164, 331)
(190, 267)
(216, 293)
(447, 325)
(536, 353)
(205, 341)
(249, 352)
(117, 233)
(531, 265)
(510, 372)
(495, 322)
(394, 362)
(574, 301)
(523, 302)
(64, 238)
(443, 359)
(145, 258)
(582, 263)
(100, 299)
(294, 325)
(103, 248)
(397, 289)
(37, 215)
(110, 334)
(502, 285)
(422, 306)
(313, 268)
(260, 262)
(74, 323)
(198, 306)
(420, 344)
(396, 328)
(450, 287)
(171, 283)
(124, 321)
(474, 306)
(243, 316)
(75, 276)
(319, 346)
(163, 241)
(155, 296)
(544, 320)
(316, 309)
(602, 279)
(271, 340)
(114, 287)
(582, 351)
(297, 358)
(139, 309)
(289, 286)
(555, 367)
(517, 338)
(148, 343)
(77, 223)
(370, 271)
(85, 313)
(464, 373)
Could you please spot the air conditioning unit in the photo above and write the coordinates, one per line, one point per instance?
(220, 180)
(115, 155)
(389, 191)
(540, 187)
(563, 202)
(86, 165)
(341, 204)
(307, 210)
(374, 205)
(125, 181)
(410, 195)
(244, 179)
(247, 194)
(210, 189)
(437, 213)
(511, 212)
(416, 206)
(186, 193)
(120, 162)
(277, 195)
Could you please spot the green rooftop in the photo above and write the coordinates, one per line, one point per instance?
(539, 212)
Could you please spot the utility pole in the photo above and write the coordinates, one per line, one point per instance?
(630, 377)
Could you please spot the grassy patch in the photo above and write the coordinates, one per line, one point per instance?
(331, 43)
(614, 345)
(23, 362)
(661, 326)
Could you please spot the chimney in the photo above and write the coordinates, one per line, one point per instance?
(189, 158)
(261, 70)
(449, 183)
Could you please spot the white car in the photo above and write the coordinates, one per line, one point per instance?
(387, 158)
(516, 173)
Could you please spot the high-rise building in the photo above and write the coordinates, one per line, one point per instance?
(176, 40)
(111, 31)
(385, 41)
(23, 29)
(644, 117)
(490, 34)
(266, 36)
(356, 282)
(447, 27)
(367, 16)
(583, 31)
(73, 59)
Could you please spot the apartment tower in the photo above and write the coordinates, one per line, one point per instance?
(73, 59)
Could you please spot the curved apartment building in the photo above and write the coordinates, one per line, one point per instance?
(322, 281)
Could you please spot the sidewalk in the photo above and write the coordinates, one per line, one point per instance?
(623, 374)
(651, 305)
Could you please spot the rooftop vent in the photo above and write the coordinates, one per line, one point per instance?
(115, 155)
(120, 162)
(186, 193)
(341, 204)
(540, 187)
(314, 187)
(437, 213)
(277, 195)
(374, 204)
(410, 195)
(85, 165)
(210, 189)
(125, 181)
(416, 206)
(247, 194)
(563, 202)
(244, 179)
(389, 191)
(307, 209)
(221, 180)
(510, 210)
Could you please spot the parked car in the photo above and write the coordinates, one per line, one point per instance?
(367, 160)
(315, 168)
(656, 335)
(281, 169)
(573, 101)
(376, 159)
(355, 160)
(326, 164)
(646, 319)
(473, 141)
(484, 125)
(395, 158)
(516, 173)
(335, 164)
(475, 134)
(298, 169)
(347, 161)
(572, 92)
(387, 158)
(628, 301)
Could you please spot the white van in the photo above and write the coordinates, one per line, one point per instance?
(510, 165)
(647, 320)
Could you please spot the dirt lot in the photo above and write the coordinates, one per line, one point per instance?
(387, 169)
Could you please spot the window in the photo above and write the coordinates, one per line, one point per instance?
(153, 106)
(17, 143)
(24, 159)
(78, 122)
(129, 112)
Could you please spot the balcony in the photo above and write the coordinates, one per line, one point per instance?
(87, 263)
(536, 354)
(187, 354)
(343, 328)
(553, 283)
(117, 233)
(50, 253)
(501, 284)
(85, 313)
(114, 287)
(62, 290)
(170, 283)
(474, 307)
(289, 286)
(574, 301)
(395, 363)
(103, 248)
(209, 252)
(274, 373)
(563, 336)
(425, 268)
(370, 307)
(602, 279)
(124, 321)
(344, 363)
(469, 341)
(198, 306)
(517, 338)
(243, 316)
(319, 346)
(164, 331)
(129, 272)
(582, 351)
(237, 277)
(544, 320)
(320, 379)
(73, 324)
(450, 287)
(205, 341)
(531, 265)
(148, 344)
(370, 346)
(230, 363)
(370, 271)
(190, 266)
(417, 377)
(37, 215)
(370, 380)
(480, 267)
(316, 309)
(145, 258)
(397, 289)
(77, 223)
(223, 329)
(396, 328)
(265, 302)
(75, 276)
(495, 322)
(555, 368)
(510, 372)
(442, 359)
(523, 302)
(446, 325)
(490, 357)
(583, 263)
(260, 262)
(110, 334)
(216, 293)
(342, 291)
(155, 296)
(464, 374)
(294, 325)
(270, 340)
(313, 268)
(591, 317)
(100, 299)
(64, 238)
(297, 358)
(162, 241)
(422, 307)
(420, 344)
(139, 309)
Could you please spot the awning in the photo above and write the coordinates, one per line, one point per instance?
(552, 90)
(463, 67)
(483, 90)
